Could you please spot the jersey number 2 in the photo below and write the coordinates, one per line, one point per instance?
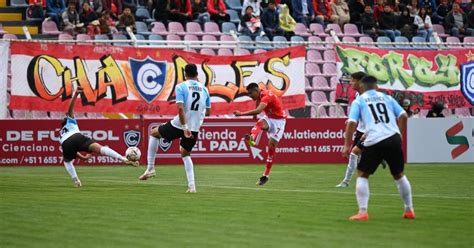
(195, 104)
(379, 112)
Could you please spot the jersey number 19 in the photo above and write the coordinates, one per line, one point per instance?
(379, 112)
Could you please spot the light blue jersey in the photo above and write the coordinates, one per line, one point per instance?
(195, 98)
(69, 129)
(379, 113)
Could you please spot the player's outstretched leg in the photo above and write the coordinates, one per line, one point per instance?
(272, 144)
(404, 188)
(362, 195)
(151, 154)
(106, 151)
(351, 167)
(72, 172)
(188, 167)
(252, 137)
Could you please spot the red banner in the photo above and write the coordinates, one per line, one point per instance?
(422, 76)
(36, 142)
(142, 80)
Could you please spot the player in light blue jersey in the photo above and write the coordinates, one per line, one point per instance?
(385, 121)
(194, 103)
(73, 142)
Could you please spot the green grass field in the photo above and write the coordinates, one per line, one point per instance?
(299, 207)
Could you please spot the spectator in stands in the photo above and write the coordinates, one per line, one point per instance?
(413, 7)
(303, 11)
(71, 23)
(54, 10)
(126, 20)
(378, 9)
(106, 23)
(441, 12)
(199, 10)
(287, 23)
(323, 12)
(368, 23)
(436, 110)
(456, 21)
(423, 21)
(249, 24)
(405, 24)
(406, 106)
(181, 11)
(357, 9)
(388, 23)
(90, 20)
(427, 4)
(115, 7)
(218, 11)
(470, 20)
(162, 10)
(256, 6)
(341, 10)
(36, 9)
(96, 5)
(271, 21)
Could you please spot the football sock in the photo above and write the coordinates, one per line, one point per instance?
(111, 153)
(256, 130)
(351, 166)
(188, 166)
(268, 167)
(362, 194)
(70, 169)
(151, 153)
(404, 188)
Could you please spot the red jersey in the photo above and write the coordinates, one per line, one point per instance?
(274, 108)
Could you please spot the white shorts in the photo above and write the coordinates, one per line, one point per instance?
(276, 128)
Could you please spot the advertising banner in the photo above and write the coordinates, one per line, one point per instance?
(423, 76)
(4, 50)
(441, 140)
(36, 142)
(142, 80)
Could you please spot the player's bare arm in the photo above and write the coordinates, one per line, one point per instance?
(350, 129)
(256, 111)
(84, 157)
(402, 123)
(182, 120)
(208, 111)
(70, 111)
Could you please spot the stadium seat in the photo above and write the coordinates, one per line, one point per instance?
(211, 28)
(336, 28)
(329, 43)
(234, 17)
(351, 30)
(209, 38)
(307, 84)
(463, 112)
(367, 40)
(319, 112)
(336, 111)
(296, 40)
(172, 37)
(246, 38)
(101, 37)
(224, 52)
(226, 37)
(301, 30)
(65, 37)
(384, 39)
(159, 28)
(49, 27)
(191, 37)
(312, 69)
(329, 56)
(155, 37)
(176, 28)
(329, 69)
(314, 56)
(315, 46)
(207, 51)
(318, 97)
(194, 28)
(83, 37)
(142, 28)
(280, 39)
(19, 114)
(416, 39)
(10, 37)
(259, 50)
(228, 28)
(348, 39)
(39, 115)
(143, 14)
(261, 45)
(468, 39)
(332, 96)
(120, 37)
(140, 37)
(440, 30)
(320, 83)
(317, 29)
(243, 51)
(402, 39)
(18, 3)
(234, 4)
(452, 39)
(333, 81)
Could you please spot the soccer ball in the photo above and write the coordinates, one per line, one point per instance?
(133, 153)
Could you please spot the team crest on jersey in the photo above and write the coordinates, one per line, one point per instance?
(467, 81)
(148, 77)
(165, 145)
(131, 138)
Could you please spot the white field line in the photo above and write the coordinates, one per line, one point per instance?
(291, 190)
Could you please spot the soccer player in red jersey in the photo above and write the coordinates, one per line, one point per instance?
(273, 123)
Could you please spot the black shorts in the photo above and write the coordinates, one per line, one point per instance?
(389, 149)
(76, 143)
(357, 140)
(169, 133)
